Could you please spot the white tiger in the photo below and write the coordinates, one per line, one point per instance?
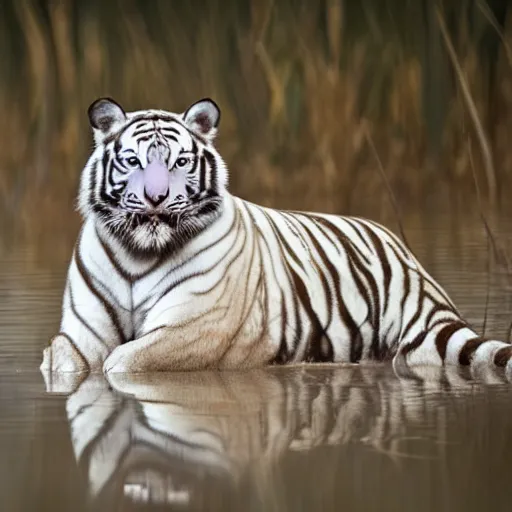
(172, 272)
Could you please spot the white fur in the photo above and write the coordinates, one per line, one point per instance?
(256, 263)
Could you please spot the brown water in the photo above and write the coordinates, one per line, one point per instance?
(300, 438)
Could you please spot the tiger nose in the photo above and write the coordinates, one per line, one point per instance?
(156, 182)
(155, 199)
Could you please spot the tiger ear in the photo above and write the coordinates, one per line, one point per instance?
(105, 116)
(203, 117)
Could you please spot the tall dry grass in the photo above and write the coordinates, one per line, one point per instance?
(303, 86)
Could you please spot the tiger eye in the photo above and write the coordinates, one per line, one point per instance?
(181, 162)
(133, 161)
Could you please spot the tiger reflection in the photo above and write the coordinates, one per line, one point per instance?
(164, 438)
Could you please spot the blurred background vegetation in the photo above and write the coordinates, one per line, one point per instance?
(320, 99)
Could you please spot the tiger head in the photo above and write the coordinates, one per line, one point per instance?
(154, 179)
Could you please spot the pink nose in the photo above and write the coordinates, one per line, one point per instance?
(156, 182)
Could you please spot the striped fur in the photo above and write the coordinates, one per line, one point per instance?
(207, 280)
(165, 437)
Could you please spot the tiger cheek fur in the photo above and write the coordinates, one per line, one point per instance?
(172, 272)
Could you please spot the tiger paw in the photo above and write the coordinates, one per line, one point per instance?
(119, 361)
(63, 367)
(61, 356)
(128, 358)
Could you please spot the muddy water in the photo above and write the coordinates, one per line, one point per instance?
(301, 438)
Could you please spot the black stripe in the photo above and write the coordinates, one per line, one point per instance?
(414, 344)
(144, 139)
(417, 313)
(406, 292)
(84, 322)
(228, 266)
(503, 356)
(441, 321)
(282, 241)
(95, 291)
(438, 308)
(112, 259)
(92, 182)
(353, 223)
(106, 179)
(202, 175)
(386, 267)
(313, 350)
(171, 137)
(407, 253)
(328, 265)
(282, 354)
(444, 335)
(213, 170)
(193, 171)
(144, 131)
(469, 348)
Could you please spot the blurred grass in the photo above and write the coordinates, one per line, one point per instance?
(303, 86)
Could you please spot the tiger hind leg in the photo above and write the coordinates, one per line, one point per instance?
(455, 344)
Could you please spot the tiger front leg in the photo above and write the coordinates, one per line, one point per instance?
(82, 345)
(167, 348)
(90, 329)
(190, 347)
